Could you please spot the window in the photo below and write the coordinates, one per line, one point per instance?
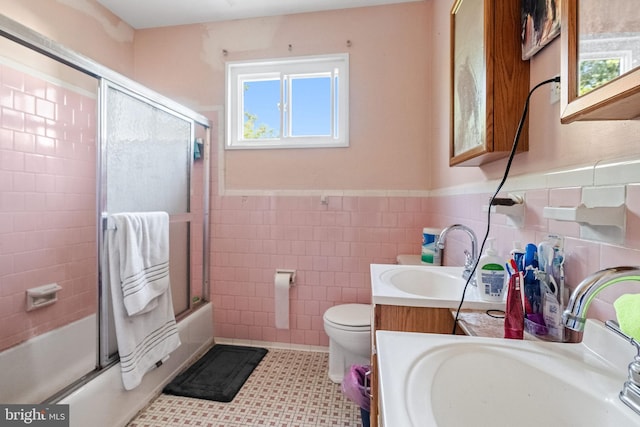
(598, 68)
(288, 103)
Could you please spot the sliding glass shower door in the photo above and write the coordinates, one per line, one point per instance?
(146, 164)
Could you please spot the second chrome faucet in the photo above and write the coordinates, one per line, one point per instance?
(470, 258)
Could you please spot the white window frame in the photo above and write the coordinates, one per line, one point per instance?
(238, 72)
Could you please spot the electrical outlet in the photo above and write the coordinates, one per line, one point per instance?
(555, 93)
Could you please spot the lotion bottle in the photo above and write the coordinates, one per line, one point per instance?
(491, 274)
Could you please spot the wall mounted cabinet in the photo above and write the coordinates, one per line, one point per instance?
(600, 69)
(489, 81)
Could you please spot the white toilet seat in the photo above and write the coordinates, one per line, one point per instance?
(349, 317)
(335, 326)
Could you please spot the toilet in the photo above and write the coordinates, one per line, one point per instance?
(349, 329)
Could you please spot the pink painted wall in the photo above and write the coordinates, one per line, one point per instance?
(83, 26)
(47, 203)
(389, 91)
(551, 144)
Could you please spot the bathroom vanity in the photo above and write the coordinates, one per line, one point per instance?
(410, 298)
(404, 319)
(574, 383)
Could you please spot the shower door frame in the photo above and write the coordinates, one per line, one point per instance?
(107, 347)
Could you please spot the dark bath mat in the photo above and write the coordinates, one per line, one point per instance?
(219, 374)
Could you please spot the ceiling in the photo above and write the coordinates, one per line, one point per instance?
(161, 13)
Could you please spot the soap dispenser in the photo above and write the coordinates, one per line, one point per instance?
(491, 274)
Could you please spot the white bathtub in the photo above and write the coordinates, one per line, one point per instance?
(41, 366)
(103, 401)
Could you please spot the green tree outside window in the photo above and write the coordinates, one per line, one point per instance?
(596, 72)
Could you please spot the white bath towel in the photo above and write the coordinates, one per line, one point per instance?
(143, 244)
(147, 337)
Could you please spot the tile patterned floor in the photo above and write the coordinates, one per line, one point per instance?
(288, 389)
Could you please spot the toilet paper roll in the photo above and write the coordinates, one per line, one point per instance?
(281, 296)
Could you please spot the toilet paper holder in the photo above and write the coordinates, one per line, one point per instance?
(291, 273)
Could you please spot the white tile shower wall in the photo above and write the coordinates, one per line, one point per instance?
(332, 245)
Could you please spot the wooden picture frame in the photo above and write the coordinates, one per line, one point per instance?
(469, 75)
(489, 81)
(540, 25)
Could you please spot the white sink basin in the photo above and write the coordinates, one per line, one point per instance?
(506, 381)
(433, 283)
(424, 286)
(451, 381)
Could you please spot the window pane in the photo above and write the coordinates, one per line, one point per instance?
(261, 113)
(285, 115)
(311, 106)
(336, 112)
(288, 103)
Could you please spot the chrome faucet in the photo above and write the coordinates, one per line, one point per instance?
(574, 317)
(470, 258)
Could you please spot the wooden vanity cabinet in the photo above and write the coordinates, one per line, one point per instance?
(404, 319)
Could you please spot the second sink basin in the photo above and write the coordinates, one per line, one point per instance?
(434, 283)
(424, 286)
